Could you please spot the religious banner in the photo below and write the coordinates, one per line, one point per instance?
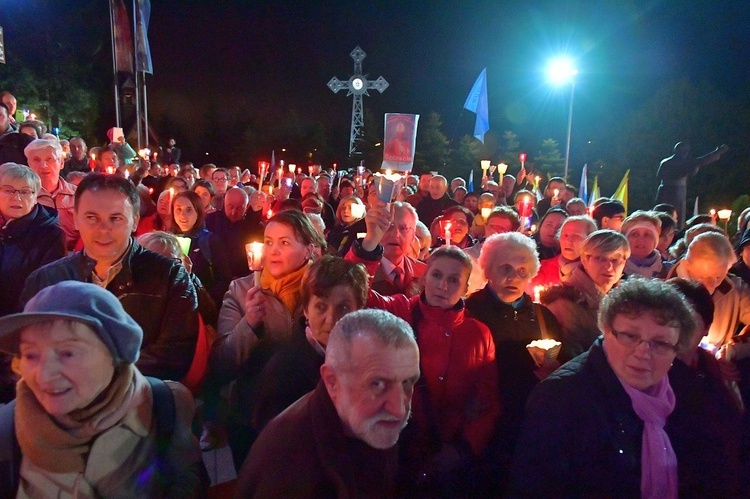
(2, 46)
(400, 140)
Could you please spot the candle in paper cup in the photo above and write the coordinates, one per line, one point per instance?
(292, 167)
(543, 351)
(485, 163)
(254, 253)
(184, 244)
(486, 213)
(385, 186)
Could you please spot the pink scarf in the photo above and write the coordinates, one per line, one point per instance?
(658, 461)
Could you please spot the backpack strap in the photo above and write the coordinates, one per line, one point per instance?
(165, 414)
(10, 452)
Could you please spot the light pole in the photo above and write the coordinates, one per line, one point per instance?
(559, 72)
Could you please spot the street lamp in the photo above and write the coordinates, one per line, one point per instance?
(559, 72)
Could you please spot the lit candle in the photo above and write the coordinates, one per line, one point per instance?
(486, 213)
(555, 193)
(536, 182)
(255, 259)
(537, 293)
(110, 170)
(448, 233)
(311, 169)
(292, 167)
(485, 163)
(501, 169)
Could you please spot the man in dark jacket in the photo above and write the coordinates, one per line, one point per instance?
(340, 439)
(154, 290)
(436, 203)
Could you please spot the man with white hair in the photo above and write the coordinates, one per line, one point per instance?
(45, 157)
(340, 439)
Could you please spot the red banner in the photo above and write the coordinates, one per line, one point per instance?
(400, 139)
(123, 36)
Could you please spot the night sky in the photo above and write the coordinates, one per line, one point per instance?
(265, 58)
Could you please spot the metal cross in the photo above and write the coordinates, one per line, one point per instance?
(357, 85)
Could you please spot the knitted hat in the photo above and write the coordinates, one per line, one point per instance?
(641, 224)
(79, 302)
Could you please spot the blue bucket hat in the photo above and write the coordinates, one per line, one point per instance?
(79, 302)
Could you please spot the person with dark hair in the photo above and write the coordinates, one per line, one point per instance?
(666, 235)
(255, 319)
(206, 191)
(154, 290)
(331, 288)
(547, 244)
(206, 251)
(609, 214)
(610, 423)
(665, 208)
(742, 267)
(471, 202)
(673, 174)
(460, 220)
(551, 199)
(12, 143)
(172, 153)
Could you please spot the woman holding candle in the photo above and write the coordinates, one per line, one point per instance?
(456, 408)
(255, 319)
(611, 424)
(350, 216)
(575, 302)
(460, 220)
(208, 255)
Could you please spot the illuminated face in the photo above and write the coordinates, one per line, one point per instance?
(498, 225)
(424, 182)
(642, 242)
(47, 165)
(184, 214)
(163, 205)
(571, 237)
(548, 229)
(17, 198)
(284, 253)
(459, 227)
(324, 187)
(205, 195)
(471, 203)
(257, 200)
(639, 366)
(708, 271)
(665, 240)
(307, 186)
(65, 365)
(109, 159)
(399, 236)
(604, 269)
(346, 212)
(510, 273)
(78, 149)
(235, 205)
(4, 120)
(220, 181)
(373, 400)
(575, 209)
(446, 282)
(323, 313)
(105, 221)
(438, 188)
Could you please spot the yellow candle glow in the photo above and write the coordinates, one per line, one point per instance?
(292, 167)
(254, 253)
(486, 213)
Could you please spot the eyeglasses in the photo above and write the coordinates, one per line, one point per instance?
(603, 260)
(220, 179)
(506, 271)
(404, 229)
(10, 191)
(631, 340)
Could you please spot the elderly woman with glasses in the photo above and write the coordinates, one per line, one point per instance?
(610, 424)
(29, 238)
(576, 301)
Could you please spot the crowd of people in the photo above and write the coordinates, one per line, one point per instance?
(440, 343)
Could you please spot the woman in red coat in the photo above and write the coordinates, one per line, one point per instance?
(456, 403)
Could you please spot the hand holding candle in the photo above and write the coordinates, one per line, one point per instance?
(544, 351)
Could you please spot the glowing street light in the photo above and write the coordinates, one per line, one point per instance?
(561, 71)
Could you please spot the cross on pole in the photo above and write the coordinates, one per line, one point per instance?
(357, 85)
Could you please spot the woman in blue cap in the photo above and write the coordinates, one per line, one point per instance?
(87, 422)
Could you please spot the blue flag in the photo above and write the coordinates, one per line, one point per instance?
(583, 190)
(142, 48)
(476, 102)
(471, 180)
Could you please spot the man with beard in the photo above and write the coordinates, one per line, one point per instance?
(340, 439)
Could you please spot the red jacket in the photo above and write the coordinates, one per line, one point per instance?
(459, 397)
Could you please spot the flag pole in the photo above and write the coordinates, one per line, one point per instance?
(137, 82)
(145, 107)
(114, 64)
